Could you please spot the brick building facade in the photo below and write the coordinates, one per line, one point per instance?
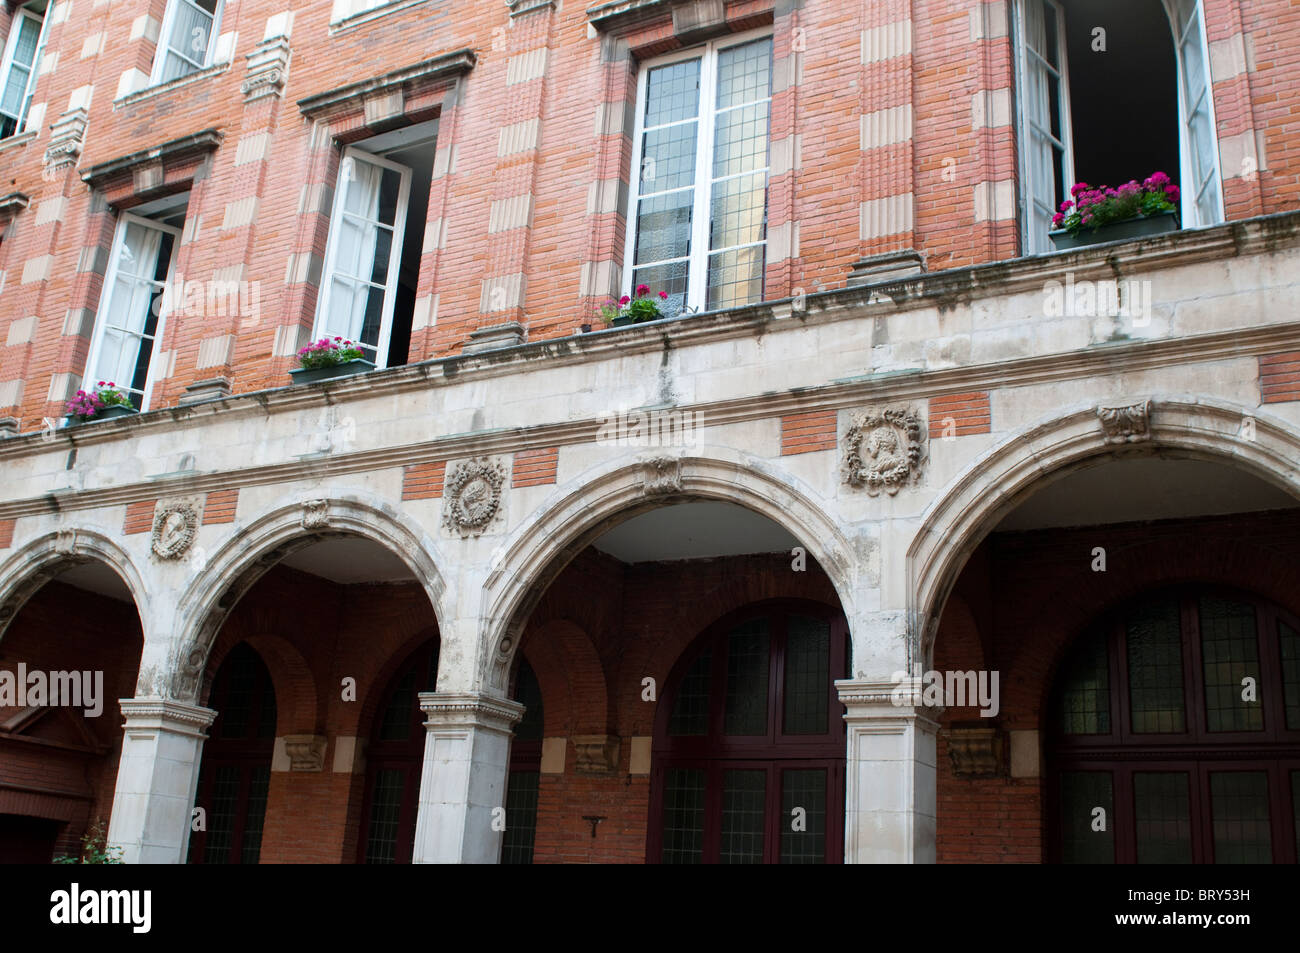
(536, 589)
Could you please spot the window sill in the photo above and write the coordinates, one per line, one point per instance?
(130, 99)
(20, 139)
(354, 20)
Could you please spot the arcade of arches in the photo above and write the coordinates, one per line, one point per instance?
(677, 678)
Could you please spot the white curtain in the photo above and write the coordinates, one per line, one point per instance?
(1201, 201)
(356, 241)
(127, 311)
(1046, 106)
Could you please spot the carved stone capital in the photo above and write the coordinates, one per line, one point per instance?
(472, 496)
(883, 450)
(1128, 424)
(305, 752)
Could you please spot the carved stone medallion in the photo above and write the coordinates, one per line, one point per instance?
(472, 496)
(315, 514)
(175, 525)
(882, 450)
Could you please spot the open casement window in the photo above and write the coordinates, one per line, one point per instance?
(698, 214)
(1107, 106)
(1045, 117)
(22, 60)
(134, 306)
(189, 33)
(362, 263)
(1202, 201)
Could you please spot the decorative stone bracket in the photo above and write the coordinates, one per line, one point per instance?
(597, 754)
(1129, 424)
(267, 69)
(975, 750)
(305, 752)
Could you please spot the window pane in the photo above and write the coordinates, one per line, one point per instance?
(739, 214)
(529, 693)
(664, 227)
(1229, 652)
(743, 796)
(221, 815)
(668, 158)
(1240, 808)
(804, 789)
(187, 47)
(807, 676)
(1085, 688)
(521, 818)
(396, 725)
(690, 715)
(1163, 818)
(740, 140)
(683, 817)
(385, 808)
(748, 656)
(1295, 807)
(1082, 792)
(259, 783)
(672, 93)
(745, 73)
(736, 277)
(1155, 668)
(1289, 640)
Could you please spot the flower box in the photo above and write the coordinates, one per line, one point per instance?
(309, 375)
(1139, 227)
(106, 414)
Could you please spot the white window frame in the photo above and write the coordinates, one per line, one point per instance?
(164, 35)
(697, 282)
(6, 63)
(394, 257)
(1189, 211)
(110, 280)
(1035, 243)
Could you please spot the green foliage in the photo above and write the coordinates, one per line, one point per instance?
(94, 848)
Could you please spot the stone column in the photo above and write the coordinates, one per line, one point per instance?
(157, 778)
(890, 799)
(463, 780)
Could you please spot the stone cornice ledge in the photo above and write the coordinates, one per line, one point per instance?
(446, 66)
(13, 203)
(622, 14)
(186, 147)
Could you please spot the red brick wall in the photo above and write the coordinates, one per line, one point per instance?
(1022, 602)
(941, 166)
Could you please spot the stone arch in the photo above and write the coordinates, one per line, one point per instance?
(297, 711)
(568, 670)
(995, 483)
(609, 494)
(35, 564)
(242, 560)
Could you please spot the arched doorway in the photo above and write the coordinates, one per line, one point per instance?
(393, 762)
(235, 774)
(748, 755)
(1175, 733)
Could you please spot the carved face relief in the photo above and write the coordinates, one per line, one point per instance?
(175, 525)
(473, 496)
(882, 450)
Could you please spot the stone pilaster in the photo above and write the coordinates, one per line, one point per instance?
(157, 778)
(890, 797)
(463, 780)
